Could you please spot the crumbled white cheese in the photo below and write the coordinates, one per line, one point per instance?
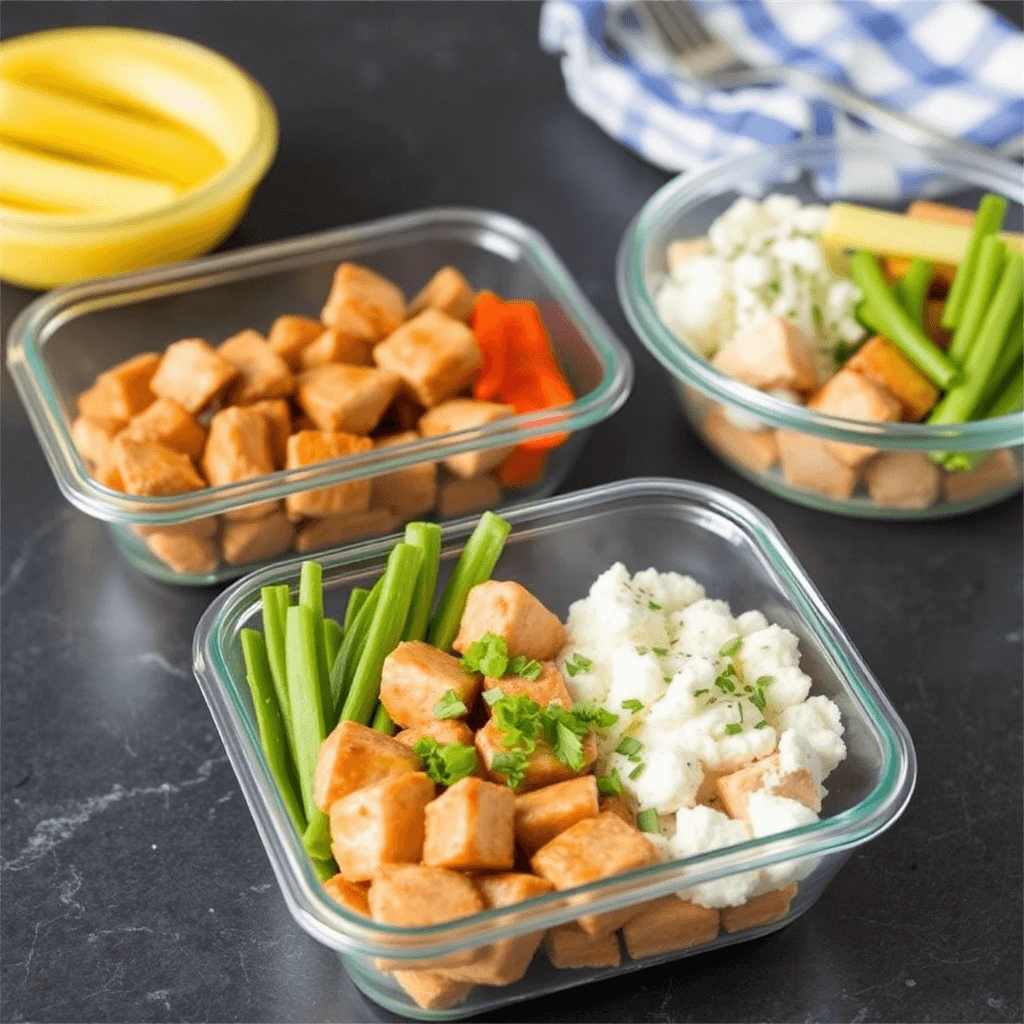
(700, 830)
(773, 651)
(768, 815)
(817, 720)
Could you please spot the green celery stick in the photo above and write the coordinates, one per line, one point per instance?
(989, 219)
(355, 602)
(1009, 357)
(475, 565)
(992, 256)
(912, 289)
(1008, 401)
(304, 691)
(345, 663)
(270, 723)
(333, 637)
(426, 537)
(325, 869)
(888, 317)
(317, 837)
(961, 402)
(382, 721)
(311, 594)
(275, 601)
(385, 632)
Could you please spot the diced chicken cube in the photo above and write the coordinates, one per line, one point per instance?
(279, 421)
(449, 293)
(432, 991)
(355, 756)
(238, 448)
(380, 824)
(568, 946)
(734, 789)
(168, 423)
(350, 895)
(435, 356)
(123, 391)
(903, 480)
(346, 398)
(359, 290)
(253, 540)
(542, 767)
(548, 687)
(807, 463)
(262, 372)
(337, 345)
(759, 910)
(756, 449)
(998, 470)
(309, 447)
(466, 414)
(93, 439)
(548, 812)
(458, 497)
(185, 555)
(192, 373)
(506, 961)
(853, 397)
(148, 468)
(774, 354)
(416, 675)
(444, 730)
(418, 895)
(408, 492)
(329, 531)
(469, 826)
(669, 923)
(204, 528)
(685, 249)
(509, 610)
(617, 806)
(882, 363)
(592, 849)
(110, 476)
(289, 335)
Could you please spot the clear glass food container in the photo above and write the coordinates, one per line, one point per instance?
(557, 548)
(64, 339)
(740, 423)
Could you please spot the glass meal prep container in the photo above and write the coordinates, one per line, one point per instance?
(740, 423)
(61, 342)
(557, 548)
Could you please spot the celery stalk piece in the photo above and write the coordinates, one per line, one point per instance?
(311, 594)
(345, 663)
(333, 637)
(325, 869)
(1009, 357)
(960, 403)
(304, 691)
(385, 632)
(475, 565)
(355, 602)
(382, 721)
(991, 258)
(894, 322)
(991, 211)
(270, 723)
(426, 537)
(912, 289)
(317, 838)
(275, 600)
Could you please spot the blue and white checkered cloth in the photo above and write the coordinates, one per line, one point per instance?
(952, 64)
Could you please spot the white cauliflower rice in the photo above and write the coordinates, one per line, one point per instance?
(699, 693)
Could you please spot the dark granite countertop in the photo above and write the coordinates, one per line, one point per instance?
(134, 884)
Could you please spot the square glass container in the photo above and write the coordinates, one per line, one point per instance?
(557, 548)
(65, 338)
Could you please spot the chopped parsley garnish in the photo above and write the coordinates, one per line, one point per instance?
(637, 771)
(447, 764)
(633, 705)
(628, 746)
(653, 606)
(577, 663)
(642, 650)
(757, 697)
(518, 719)
(568, 747)
(647, 820)
(488, 655)
(731, 647)
(700, 693)
(725, 684)
(493, 695)
(587, 711)
(761, 725)
(733, 728)
(666, 679)
(450, 706)
(512, 765)
(525, 668)
(661, 652)
(610, 784)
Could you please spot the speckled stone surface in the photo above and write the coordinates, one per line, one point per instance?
(134, 886)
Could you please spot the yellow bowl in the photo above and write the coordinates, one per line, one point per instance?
(193, 85)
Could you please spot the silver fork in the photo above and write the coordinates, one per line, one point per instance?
(707, 61)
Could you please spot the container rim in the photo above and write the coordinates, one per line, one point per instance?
(689, 189)
(46, 314)
(334, 926)
(243, 172)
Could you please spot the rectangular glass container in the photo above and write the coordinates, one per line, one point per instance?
(61, 342)
(557, 548)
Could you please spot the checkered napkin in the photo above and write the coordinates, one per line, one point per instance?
(952, 64)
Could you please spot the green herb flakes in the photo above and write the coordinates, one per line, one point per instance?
(450, 706)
